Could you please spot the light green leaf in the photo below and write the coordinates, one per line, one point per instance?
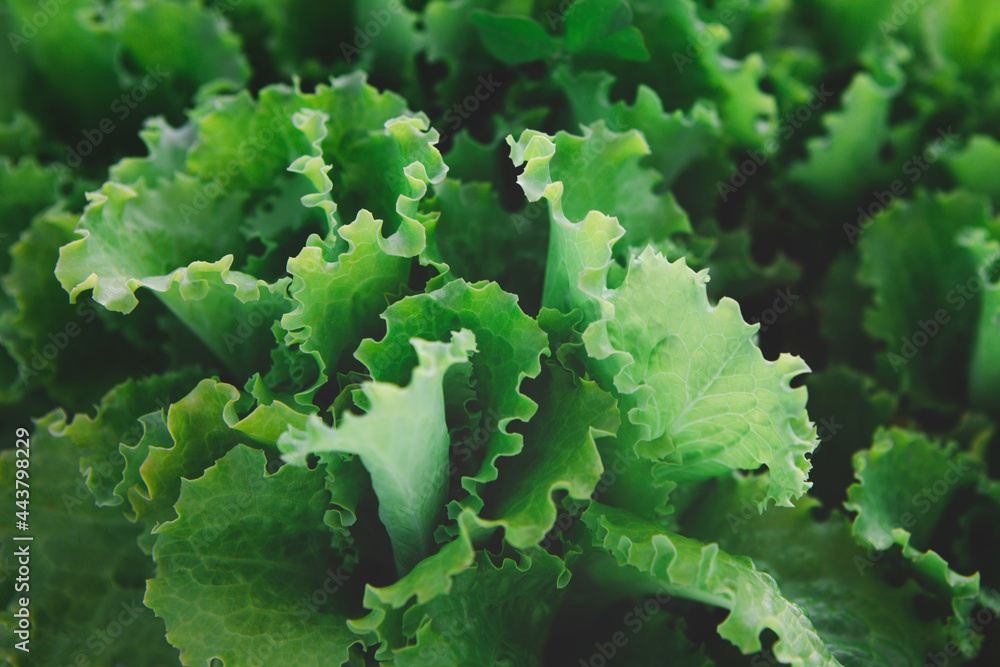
(267, 422)
(509, 345)
(586, 179)
(211, 298)
(694, 383)
(339, 296)
(402, 441)
(184, 225)
(701, 396)
(966, 32)
(341, 284)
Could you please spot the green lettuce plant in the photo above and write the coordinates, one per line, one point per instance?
(673, 344)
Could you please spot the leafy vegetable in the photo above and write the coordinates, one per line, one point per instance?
(492, 332)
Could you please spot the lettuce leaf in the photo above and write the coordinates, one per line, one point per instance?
(691, 379)
(509, 346)
(845, 588)
(266, 553)
(409, 474)
(691, 569)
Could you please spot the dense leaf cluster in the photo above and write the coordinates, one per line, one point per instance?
(454, 332)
